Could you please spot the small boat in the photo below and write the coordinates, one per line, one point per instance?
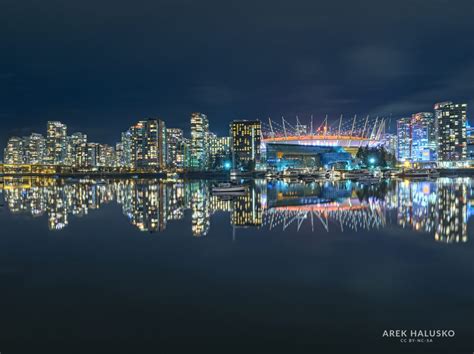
(420, 173)
(271, 175)
(229, 188)
(291, 173)
(357, 174)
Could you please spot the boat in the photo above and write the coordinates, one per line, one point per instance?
(326, 174)
(357, 174)
(271, 175)
(227, 188)
(291, 173)
(420, 173)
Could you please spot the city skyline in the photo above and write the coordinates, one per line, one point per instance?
(441, 135)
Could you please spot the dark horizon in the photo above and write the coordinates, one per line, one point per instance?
(100, 67)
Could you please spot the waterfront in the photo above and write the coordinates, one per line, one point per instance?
(112, 265)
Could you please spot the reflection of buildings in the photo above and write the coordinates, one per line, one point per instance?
(440, 208)
(451, 211)
(147, 207)
(247, 209)
(201, 213)
(435, 207)
(416, 205)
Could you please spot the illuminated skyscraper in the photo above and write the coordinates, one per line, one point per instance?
(92, 154)
(148, 148)
(106, 156)
(14, 151)
(126, 157)
(56, 143)
(175, 138)
(451, 119)
(245, 143)
(77, 150)
(423, 137)
(199, 142)
(184, 154)
(35, 149)
(404, 139)
(390, 143)
(219, 152)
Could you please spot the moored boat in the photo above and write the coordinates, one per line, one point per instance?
(229, 188)
(419, 173)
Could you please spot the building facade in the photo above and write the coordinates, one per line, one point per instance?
(175, 138)
(404, 139)
(423, 137)
(245, 138)
(56, 143)
(35, 149)
(148, 144)
(14, 151)
(451, 119)
(219, 152)
(199, 149)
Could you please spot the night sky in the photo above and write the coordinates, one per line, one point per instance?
(100, 65)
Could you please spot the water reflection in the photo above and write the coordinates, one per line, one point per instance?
(440, 208)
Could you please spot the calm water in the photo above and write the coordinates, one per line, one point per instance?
(138, 266)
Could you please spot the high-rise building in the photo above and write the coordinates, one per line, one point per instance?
(35, 149)
(219, 152)
(148, 145)
(245, 138)
(106, 156)
(56, 143)
(199, 142)
(77, 150)
(390, 143)
(175, 138)
(184, 154)
(404, 139)
(118, 155)
(92, 154)
(423, 137)
(14, 151)
(451, 119)
(126, 157)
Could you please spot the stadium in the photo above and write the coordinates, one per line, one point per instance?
(287, 145)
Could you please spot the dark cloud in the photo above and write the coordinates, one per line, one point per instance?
(100, 65)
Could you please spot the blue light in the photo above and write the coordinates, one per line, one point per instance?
(372, 160)
(227, 165)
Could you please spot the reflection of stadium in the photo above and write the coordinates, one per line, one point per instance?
(297, 146)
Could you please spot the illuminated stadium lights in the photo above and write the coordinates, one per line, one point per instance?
(349, 133)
